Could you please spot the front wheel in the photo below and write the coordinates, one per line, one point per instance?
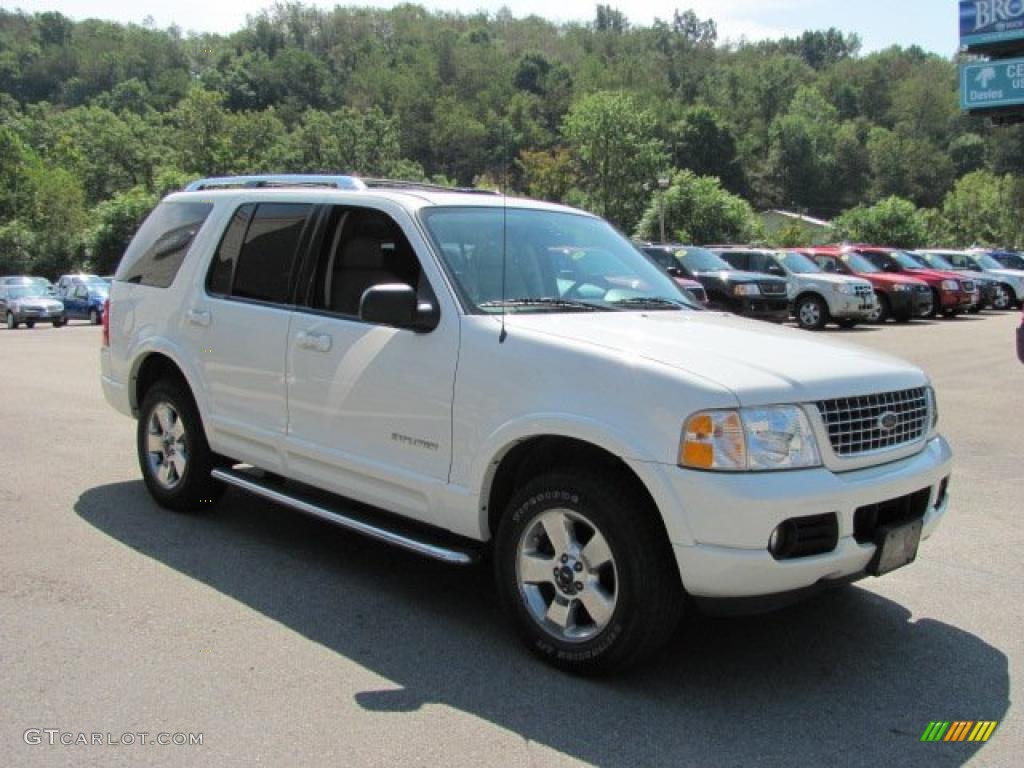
(587, 573)
(811, 313)
(1003, 297)
(174, 456)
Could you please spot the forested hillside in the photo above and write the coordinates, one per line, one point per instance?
(97, 120)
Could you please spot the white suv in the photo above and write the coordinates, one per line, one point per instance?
(817, 297)
(452, 371)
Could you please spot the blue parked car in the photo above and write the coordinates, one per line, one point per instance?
(85, 301)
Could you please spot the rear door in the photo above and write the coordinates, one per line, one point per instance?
(237, 329)
(370, 406)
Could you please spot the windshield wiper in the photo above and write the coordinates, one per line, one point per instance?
(544, 301)
(648, 302)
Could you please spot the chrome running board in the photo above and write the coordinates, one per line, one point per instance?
(435, 551)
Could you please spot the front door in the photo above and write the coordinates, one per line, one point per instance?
(369, 406)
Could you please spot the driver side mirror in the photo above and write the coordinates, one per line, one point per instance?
(396, 304)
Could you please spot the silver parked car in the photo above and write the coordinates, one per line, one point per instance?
(30, 303)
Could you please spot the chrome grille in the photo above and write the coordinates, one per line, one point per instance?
(773, 289)
(854, 423)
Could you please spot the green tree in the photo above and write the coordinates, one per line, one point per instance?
(113, 223)
(893, 221)
(616, 153)
(702, 142)
(984, 209)
(698, 210)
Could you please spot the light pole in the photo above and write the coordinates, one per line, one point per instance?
(663, 182)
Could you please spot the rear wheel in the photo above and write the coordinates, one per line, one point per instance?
(811, 313)
(174, 456)
(587, 573)
(30, 323)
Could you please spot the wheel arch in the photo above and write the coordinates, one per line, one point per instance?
(527, 457)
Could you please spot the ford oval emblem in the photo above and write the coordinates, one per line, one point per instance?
(887, 421)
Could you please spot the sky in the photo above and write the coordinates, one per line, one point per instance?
(931, 24)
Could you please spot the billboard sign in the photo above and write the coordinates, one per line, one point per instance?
(991, 22)
(992, 84)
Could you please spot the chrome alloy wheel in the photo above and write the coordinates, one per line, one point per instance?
(166, 451)
(566, 576)
(810, 314)
(1001, 300)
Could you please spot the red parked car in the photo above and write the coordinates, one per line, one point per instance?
(900, 297)
(951, 293)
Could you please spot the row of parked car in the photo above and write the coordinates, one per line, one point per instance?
(846, 284)
(28, 300)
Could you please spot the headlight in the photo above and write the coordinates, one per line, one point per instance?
(749, 439)
(950, 285)
(845, 288)
(902, 287)
(746, 290)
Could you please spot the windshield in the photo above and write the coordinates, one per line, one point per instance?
(1011, 260)
(935, 261)
(858, 263)
(907, 261)
(27, 291)
(554, 262)
(986, 261)
(701, 260)
(798, 263)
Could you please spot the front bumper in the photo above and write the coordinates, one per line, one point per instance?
(773, 309)
(42, 316)
(955, 300)
(853, 307)
(731, 517)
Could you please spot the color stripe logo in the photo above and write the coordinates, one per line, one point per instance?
(959, 730)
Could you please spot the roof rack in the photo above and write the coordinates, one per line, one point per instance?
(424, 185)
(351, 183)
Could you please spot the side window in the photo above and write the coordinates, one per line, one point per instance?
(81, 292)
(362, 248)
(735, 259)
(827, 263)
(158, 249)
(255, 256)
(875, 259)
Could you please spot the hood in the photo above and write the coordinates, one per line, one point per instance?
(38, 301)
(830, 278)
(888, 278)
(740, 276)
(934, 274)
(760, 363)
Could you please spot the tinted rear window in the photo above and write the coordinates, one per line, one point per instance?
(159, 247)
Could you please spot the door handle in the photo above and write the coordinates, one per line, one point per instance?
(199, 317)
(318, 342)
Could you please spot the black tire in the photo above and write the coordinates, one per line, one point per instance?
(884, 309)
(846, 323)
(94, 317)
(30, 323)
(936, 304)
(194, 490)
(12, 322)
(60, 322)
(648, 602)
(811, 313)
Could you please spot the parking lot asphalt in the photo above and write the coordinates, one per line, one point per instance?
(285, 642)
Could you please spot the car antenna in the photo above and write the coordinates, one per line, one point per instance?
(504, 228)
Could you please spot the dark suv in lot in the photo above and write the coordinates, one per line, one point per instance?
(744, 293)
(900, 297)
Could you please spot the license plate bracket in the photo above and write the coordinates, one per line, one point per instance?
(896, 547)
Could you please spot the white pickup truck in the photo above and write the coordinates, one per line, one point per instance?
(455, 373)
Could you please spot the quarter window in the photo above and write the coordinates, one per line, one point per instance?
(159, 247)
